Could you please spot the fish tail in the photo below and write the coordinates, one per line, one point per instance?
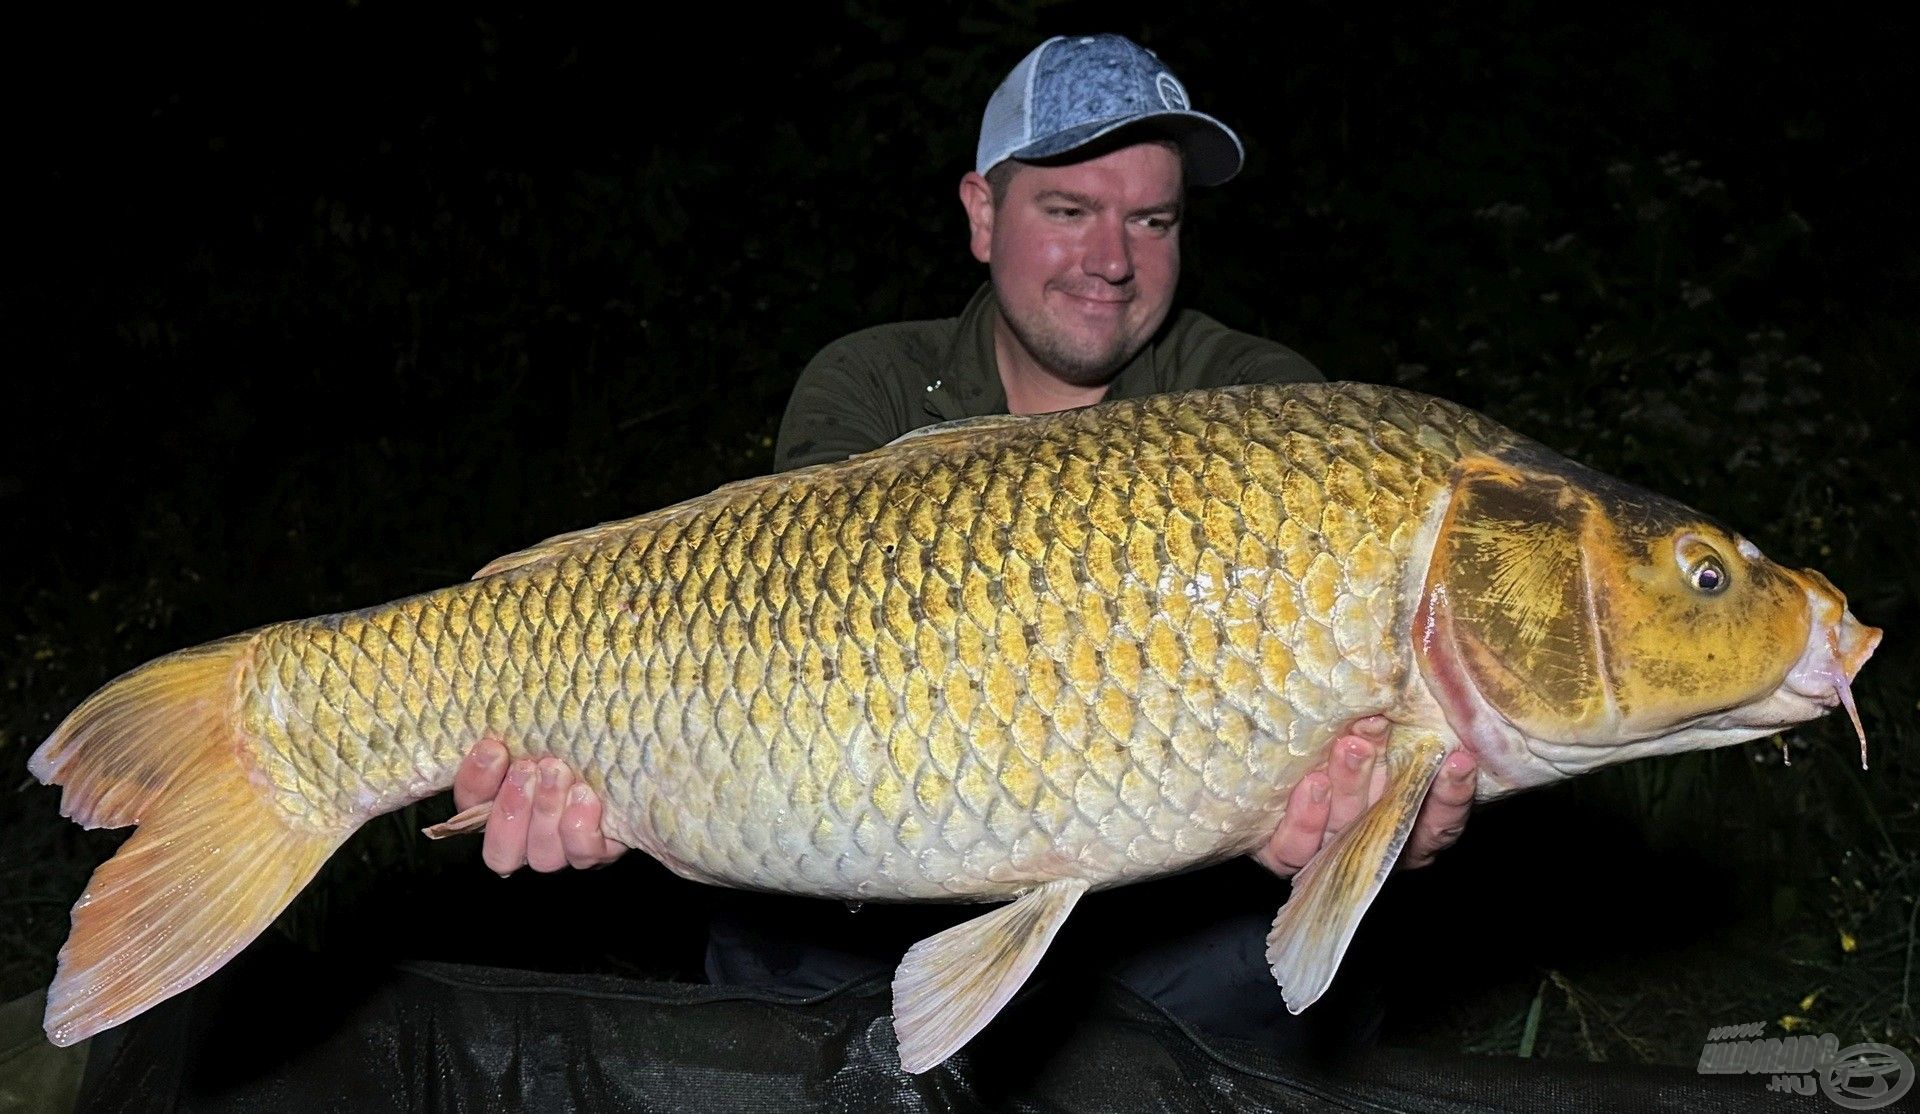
(214, 861)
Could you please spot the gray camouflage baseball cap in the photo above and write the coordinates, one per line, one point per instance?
(1072, 90)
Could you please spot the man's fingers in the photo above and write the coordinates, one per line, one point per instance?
(542, 817)
(1444, 814)
(505, 848)
(1350, 780)
(478, 778)
(1300, 829)
(1371, 728)
(1354, 779)
(580, 831)
(544, 850)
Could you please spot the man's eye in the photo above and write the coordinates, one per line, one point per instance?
(1064, 211)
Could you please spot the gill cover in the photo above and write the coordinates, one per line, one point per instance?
(1583, 610)
(1508, 577)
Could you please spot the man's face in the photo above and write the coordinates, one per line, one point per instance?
(1085, 257)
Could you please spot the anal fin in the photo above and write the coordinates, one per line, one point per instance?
(1330, 896)
(951, 984)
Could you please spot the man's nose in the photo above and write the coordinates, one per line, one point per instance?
(1108, 254)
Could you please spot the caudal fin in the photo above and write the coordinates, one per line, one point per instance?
(214, 860)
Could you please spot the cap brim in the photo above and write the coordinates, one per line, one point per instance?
(1213, 152)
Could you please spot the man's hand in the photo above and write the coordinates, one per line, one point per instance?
(1329, 799)
(541, 817)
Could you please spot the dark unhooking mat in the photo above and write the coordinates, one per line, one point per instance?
(277, 1031)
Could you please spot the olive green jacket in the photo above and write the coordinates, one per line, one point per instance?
(868, 388)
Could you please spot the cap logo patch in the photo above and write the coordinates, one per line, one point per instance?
(1171, 93)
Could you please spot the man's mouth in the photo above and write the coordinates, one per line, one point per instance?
(1099, 298)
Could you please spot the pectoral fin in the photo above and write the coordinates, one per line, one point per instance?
(1333, 892)
(951, 984)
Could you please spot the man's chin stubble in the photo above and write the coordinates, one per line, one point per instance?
(1072, 366)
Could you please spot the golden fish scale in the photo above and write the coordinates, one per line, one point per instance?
(1103, 644)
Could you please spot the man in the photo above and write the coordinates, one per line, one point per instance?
(1076, 204)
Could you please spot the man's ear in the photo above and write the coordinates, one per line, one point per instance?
(976, 197)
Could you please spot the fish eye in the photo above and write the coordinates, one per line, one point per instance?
(1702, 565)
(1708, 576)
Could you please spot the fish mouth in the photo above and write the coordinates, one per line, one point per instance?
(1837, 646)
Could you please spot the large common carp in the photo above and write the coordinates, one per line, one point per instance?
(1015, 659)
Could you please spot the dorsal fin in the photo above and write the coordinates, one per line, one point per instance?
(962, 425)
(593, 535)
(554, 546)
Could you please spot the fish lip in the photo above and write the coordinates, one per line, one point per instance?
(1823, 695)
(1864, 641)
(1836, 651)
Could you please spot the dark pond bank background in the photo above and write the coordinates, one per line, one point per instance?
(313, 309)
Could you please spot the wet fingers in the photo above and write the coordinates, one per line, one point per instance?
(1301, 829)
(480, 774)
(545, 850)
(580, 833)
(1350, 779)
(505, 849)
(1443, 816)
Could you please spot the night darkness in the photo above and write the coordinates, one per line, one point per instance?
(315, 309)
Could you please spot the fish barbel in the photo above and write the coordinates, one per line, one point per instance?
(1011, 659)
